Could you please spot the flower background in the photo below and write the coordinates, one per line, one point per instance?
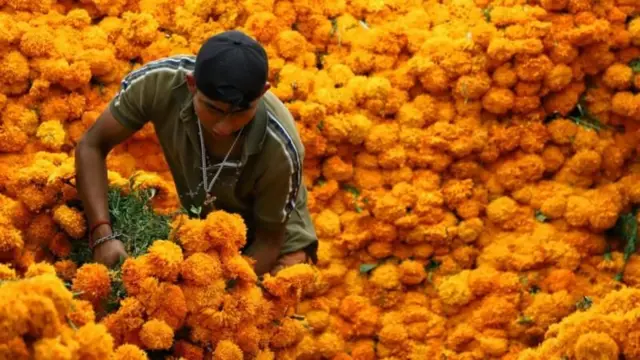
(471, 166)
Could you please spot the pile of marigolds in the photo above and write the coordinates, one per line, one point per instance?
(471, 168)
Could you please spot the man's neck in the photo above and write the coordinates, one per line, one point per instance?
(217, 147)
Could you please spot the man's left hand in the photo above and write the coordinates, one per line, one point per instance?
(294, 258)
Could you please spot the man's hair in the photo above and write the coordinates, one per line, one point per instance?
(233, 68)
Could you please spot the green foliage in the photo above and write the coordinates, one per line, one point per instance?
(627, 229)
(584, 303)
(134, 219)
(487, 13)
(431, 267)
(635, 65)
(525, 320)
(138, 225)
(366, 268)
(540, 216)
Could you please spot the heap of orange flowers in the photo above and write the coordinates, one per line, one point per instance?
(467, 162)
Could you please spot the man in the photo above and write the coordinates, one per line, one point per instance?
(230, 144)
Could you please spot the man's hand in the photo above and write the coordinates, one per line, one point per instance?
(266, 249)
(109, 253)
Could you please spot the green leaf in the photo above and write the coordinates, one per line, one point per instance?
(540, 216)
(635, 65)
(487, 13)
(607, 253)
(534, 289)
(525, 320)
(366, 268)
(320, 125)
(584, 303)
(352, 189)
(431, 267)
(196, 210)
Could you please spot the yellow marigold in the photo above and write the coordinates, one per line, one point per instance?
(596, 345)
(171, 307)
(225, 231)
(287, 332)
(237, 267)
(290, 280)
(51, 134)
(51, 348)
(81, 313)
(191, 234)
(11, 242)
(498, 101)
(201, 269)
(40, 268)
(94, 342)
(7, 273)
(329, 344)
(129, 352)
(227, 350)
(164, 259)
(71, 220)
(93, 282)
(265, 355)
(411, 272)
(156, 335)
(134, 271)
(129, 316)
(454, 290)
(386, 276)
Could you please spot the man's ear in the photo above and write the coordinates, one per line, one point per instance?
(267, 86)
(191, 83)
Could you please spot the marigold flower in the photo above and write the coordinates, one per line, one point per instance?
(289, 280)
(134, 271)
(94, 342)
(128, 352)
(164, 259)
(82, 313)
(201, 269)
(71, 220)
(238, 267)
(40, 268)
(7, 273)
(93, 282)
(156, 335)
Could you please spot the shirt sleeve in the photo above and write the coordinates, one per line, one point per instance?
(277, 189)
(132, 103)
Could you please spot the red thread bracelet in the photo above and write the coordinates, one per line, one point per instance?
(93, 229)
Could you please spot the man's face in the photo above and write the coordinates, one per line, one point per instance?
(218, 118)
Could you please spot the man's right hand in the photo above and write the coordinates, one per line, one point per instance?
(109, 253)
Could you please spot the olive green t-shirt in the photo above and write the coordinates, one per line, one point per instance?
(264, 184)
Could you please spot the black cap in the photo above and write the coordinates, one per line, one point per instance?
(231, 67)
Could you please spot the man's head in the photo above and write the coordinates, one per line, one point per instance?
(229, 79)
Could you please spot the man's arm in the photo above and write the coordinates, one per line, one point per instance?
(127, 112)
(91, 180)
(276, 192)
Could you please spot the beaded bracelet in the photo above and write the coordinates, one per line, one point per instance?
(103, 239)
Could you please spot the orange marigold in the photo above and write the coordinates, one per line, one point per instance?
(164, 259)
(201, 269)
(227, 350)
(156, 335)
(129, 352)
(93, 282)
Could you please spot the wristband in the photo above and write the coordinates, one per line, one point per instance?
(103, 239)
(93, 229)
